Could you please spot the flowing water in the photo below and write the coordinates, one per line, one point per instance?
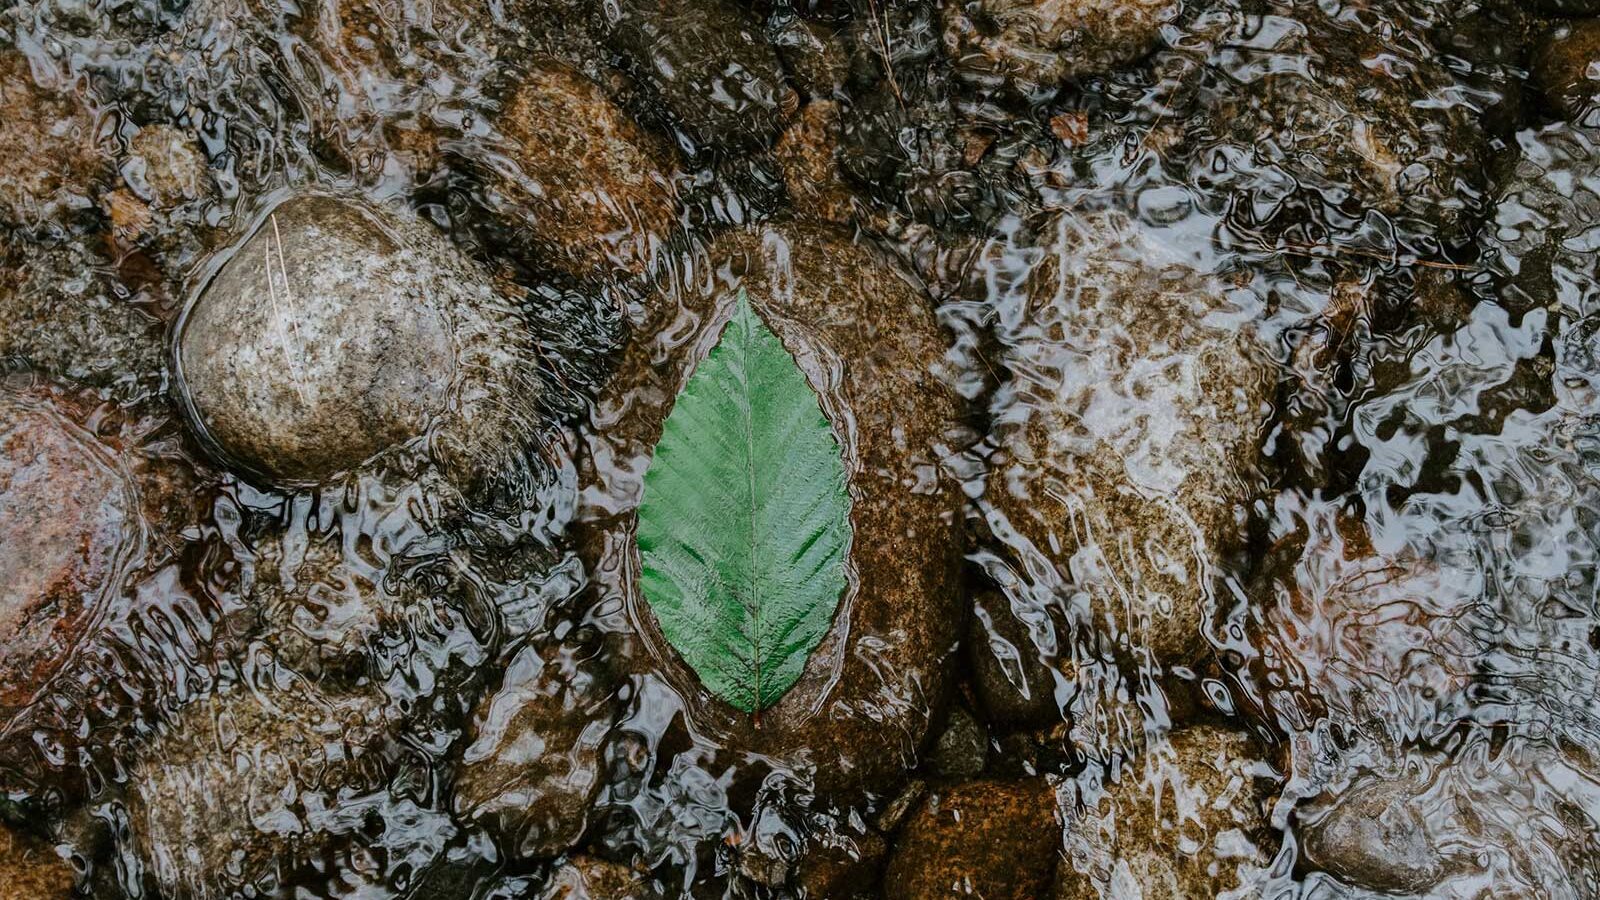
(1216, 383)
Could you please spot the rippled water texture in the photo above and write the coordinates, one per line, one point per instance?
(1216, 383)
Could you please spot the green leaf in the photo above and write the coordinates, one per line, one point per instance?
(745, 521)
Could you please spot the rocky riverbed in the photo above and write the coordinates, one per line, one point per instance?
(838, 449)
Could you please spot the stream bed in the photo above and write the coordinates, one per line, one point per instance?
(903, 449)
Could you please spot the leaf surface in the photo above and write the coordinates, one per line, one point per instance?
(744, 523)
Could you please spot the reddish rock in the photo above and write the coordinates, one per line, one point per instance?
(66, 512)
(578, 178)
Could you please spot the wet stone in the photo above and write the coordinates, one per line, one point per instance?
(531, 767)
(1014, 684)
(243, 791)
(590, 878)
(814, 56)
(1545, 203)
(340, 330)
(63, 312)
(961, 749)
(805, 154)
(1188, 819)
(865, 699)
(1323, 139)
(1566, 67)
(710, 65)
(1374, 837)
(845, 868)
(1569, 7)
(996, 839)
(1125, 445)
(67, 515)
(50, 167)
(578, 178)
(1034, 46)
(31, 869)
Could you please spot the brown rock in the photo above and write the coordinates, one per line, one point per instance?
(1566, 67)
(1126, 443)
(1383, 643)
(67, 517)
(588, 878)
(49, 164)
(579, 178)
(1187, 820)
(993, 839)
(1036, 45)
(532, 766)
(815, 58)
(30, 870)
(236, 793)
(845, 867)
(870, 345)
(805, 154)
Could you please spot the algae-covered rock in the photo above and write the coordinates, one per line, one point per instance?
(1124, 447)
(590, 878)
(997, 839)
(1186, 819)
(577, 178)
(1034, 46)
(1546, 203)
(871, 347)
(339, 330)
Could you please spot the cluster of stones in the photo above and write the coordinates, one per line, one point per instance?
(338, 335)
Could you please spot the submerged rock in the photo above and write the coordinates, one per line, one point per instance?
(340, 330)
(31, 870)
(589, 878)
(578, 178)
(1320, 128)
(68, 515)
(50, 166)
(1519, 816)
(805, 154)
(871, 348)
(1014, 683)
(242, 791)
(1123, 450)
(1570, 7)
(1187, 819)
(1034, 46)
(991, 839)
(1566, 67)
(709, 63)
(63, 312)
(1546, 203)
(532, 768)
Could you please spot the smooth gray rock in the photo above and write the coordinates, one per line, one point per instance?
(339, 330)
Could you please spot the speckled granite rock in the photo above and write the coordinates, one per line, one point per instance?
(531, 768)
(339, 330)
(1187, 819)
(50, 167)
(1034, 46)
